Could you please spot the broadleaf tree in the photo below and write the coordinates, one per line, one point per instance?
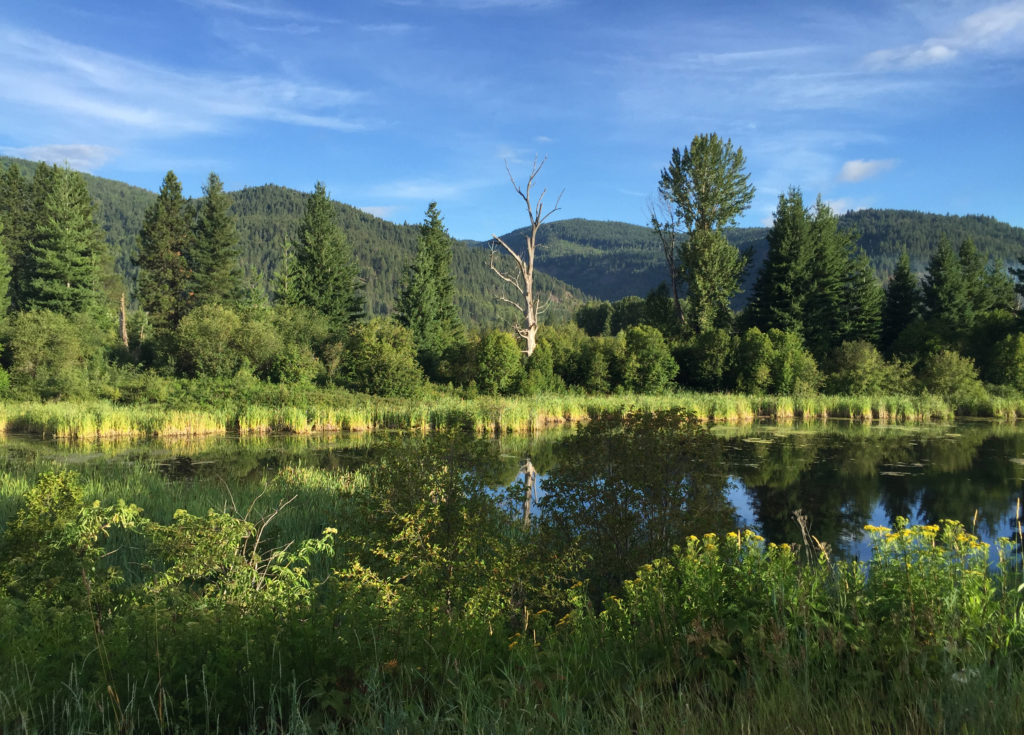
(709, 187)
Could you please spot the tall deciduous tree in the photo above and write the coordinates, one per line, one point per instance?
(65, 249)
(902, 302)
(783, 282)
(709, 188)
(325, 276)
(215, 259)
(525, 300)
(427, 302)
(163, 242)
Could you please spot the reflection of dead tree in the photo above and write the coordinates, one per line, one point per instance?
(530, 485)
(522, 279)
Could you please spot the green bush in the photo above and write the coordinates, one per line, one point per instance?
(793, 369)
(707, 360)
(752, 362)
(206, 342)
(499, 364)
(858, 368)
(49, 355)
(1008, 365)
(952, 376)
(648, 366)
(380, 359)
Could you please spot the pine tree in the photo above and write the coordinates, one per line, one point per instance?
(902, 303)
(427, 302)
(829, 264)
(16, 216)
(863, 302)
(214, 257)
(63, 255)
(782, 284)
(946, 295)
(5, 276)
(163, 272)
(325, 275)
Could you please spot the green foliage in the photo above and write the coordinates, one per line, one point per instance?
(1008, 367)
(709, 189)
(380, 359)
(499, 364)
(793, 369)
(426, 304)
(951, 376)
(50, 354)
(595, 318)
(826, 315)
(540, 376)
(5, 274)
(205, 340)
(753, 361)
(784, 279)
(858, 368)
(707, 360)
(63, 252)
(947, 295)
(166, 236)
(214, 256)
(648, 365)
(902, 303)
(325, 277)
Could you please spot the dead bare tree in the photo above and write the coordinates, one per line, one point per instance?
(521, 279)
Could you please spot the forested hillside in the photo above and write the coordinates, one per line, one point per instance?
(611, 260)
(268, 216)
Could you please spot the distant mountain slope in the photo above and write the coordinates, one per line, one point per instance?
(610, 260)
(268, 216)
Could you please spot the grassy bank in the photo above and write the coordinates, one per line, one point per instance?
(483, 415)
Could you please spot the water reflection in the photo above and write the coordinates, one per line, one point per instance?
(627, 493)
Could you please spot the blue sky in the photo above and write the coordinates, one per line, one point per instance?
(392, 104)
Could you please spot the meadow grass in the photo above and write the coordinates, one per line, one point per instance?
(483, 415)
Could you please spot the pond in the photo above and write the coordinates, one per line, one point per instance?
(628, 494)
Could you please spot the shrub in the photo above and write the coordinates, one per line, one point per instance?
(648, 366)
(205, 340)
(952, 376)
(793, 369)
(499, 364)
(858, 368)
(707, 360)
(380, 359)
(48, 355)
(752, 362)
(1008, 365)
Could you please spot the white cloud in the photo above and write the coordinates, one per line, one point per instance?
(424, 190)
(258, 10)
(996, 28)
(391, 29)
(80, 156)
(842, 205)
(77, 81)
(384, 212)
(860, 169)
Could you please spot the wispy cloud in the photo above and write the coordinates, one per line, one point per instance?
(991, 30)
(45, 72)
(253, 9)
(82, 156)
(423, 189)
(391, 29)
(860, 169)
(842, 205)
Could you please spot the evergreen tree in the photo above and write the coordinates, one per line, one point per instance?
(782, 283)
(325, 276)
(824, 307)
(63, 255)
(947, 298)
(863, 302)
(427, 302)
(215, 259)
(5, 276)
(16, 217)
(163, 242)
(284, 291)
(902, 303)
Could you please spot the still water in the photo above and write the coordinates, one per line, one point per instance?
(631, 495)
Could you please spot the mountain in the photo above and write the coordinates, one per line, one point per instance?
(269, 216)
(611, 260)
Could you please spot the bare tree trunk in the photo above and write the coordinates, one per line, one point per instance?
(124, 323)
(521, 279)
